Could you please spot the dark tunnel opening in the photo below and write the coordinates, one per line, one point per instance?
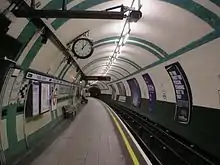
(95, 92)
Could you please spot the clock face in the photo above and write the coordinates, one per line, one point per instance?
(83, 48)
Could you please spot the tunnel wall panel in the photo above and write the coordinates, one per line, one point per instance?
(36, 128)
(201, 66)
(202, 128)
(4, 136)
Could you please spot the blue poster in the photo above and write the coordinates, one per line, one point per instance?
(135, 92)
(151, 91)
(182, 92)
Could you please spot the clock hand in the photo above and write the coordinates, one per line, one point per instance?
(84, 46)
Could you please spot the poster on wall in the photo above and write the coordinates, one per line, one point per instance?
(135, 92)
(45, 97)
(35, 98)
(182, 92)
(122, 92)
(54, 90)
(151, 91)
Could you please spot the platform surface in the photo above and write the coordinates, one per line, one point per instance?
(91, 139)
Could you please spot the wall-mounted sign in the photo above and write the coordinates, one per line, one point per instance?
(35, 98)
(45, 97)
(182, 92)
(151, 91)
(135, 92)
(42, 78)
(54, 97)
(122, 99)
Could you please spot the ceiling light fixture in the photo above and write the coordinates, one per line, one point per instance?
(136, 4)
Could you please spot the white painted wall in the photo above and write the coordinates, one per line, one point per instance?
(202, 68)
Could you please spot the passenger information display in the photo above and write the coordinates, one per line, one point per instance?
(182, 92)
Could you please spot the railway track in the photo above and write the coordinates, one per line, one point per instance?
(162, 146)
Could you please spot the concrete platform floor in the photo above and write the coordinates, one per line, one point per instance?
(91, 139)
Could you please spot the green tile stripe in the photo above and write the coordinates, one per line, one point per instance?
(31, 54)
(152, 51)
(25, 36)
(64, 98)
(55, 4)
(217, 2)
(193, 45)
(29, 30)
(103, 59)
(203, 13)
(136, 39)
(37, 45)
(188, 5)
(11, 129)
(64, 73)
(120, 59)
(82, 6)
(61, 72)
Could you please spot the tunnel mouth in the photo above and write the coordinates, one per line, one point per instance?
(95, 92)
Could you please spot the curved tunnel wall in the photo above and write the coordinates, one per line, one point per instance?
(158, 40)
(201, 67)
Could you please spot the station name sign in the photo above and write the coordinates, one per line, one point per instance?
(43, 78)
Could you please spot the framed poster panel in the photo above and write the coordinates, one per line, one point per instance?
(54, 89)
(33, 100)
(45, 97)
(182, 92)
(151, 91)
(135, 92)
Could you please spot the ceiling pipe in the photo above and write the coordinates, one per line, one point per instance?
(31, 13)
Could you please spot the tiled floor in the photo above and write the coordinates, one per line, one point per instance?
(90, 140)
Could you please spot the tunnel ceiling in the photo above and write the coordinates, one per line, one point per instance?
(166, 28)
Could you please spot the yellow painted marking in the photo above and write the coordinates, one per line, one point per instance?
(128, 146)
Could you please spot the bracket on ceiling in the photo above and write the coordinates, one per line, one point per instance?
(31, 12)
(84, 34)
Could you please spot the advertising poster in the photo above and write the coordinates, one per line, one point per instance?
(135, 92)
(122, 92)
(151, 91)
(54, 97)
(35, 98)
(182, 92)
(45, 97)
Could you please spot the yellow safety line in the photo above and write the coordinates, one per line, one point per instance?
(128, 146)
